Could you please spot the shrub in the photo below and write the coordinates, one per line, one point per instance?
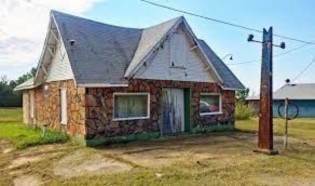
(243, 112)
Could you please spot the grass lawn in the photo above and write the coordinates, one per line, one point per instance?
(10, 114)
(207, 159)
(21, 136)
(299, 128)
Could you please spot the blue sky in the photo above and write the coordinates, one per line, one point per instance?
(289, 18)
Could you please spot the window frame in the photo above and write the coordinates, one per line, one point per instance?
(128, 94)
(63, 121)
(220, 104)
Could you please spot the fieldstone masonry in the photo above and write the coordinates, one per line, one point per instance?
(99, 108)
(90, 110)
(47, 107)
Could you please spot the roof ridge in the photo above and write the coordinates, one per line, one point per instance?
(54, 12)
(148, 42)
(164, 22)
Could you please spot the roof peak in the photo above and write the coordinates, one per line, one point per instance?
(58, 13)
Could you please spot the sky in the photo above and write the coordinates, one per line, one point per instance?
(23, 26)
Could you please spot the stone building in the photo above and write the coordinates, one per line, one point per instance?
(105, 83)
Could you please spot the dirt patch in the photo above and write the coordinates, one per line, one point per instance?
(309, 182)
(46, 149)
(209, 150)
(82, 162)
(24, 160)
(5, 147)
(27, 180)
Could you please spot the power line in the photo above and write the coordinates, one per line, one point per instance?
(304, 70)
(277, 55)
(224, 22)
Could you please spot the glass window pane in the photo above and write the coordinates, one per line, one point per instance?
(209, 104)
(129, 106)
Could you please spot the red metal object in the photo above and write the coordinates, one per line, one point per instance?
(265, 139)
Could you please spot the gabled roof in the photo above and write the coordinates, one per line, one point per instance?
(150, 38)
(103, 54)
(230, 81)
(304, 91)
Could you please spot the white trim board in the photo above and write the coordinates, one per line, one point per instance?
(220, 104)
(131, 93)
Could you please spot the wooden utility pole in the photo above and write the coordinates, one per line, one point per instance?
(265, 139)
(286, 115)
(265, 134)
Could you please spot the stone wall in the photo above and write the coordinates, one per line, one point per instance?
(47, 107)
(99, 108)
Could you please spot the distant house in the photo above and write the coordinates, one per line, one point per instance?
(102, 82)
(303, 95)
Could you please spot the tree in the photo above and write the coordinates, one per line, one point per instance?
(241, 95)
(26, 76)
(9, 98)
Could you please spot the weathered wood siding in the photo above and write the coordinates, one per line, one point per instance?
(173, 110)
(188, 65)
(60, 68)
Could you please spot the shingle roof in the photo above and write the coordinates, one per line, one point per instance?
(304, 91)
(230, 81)
(106, 54)
(101, 53)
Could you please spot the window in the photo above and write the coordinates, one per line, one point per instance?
(210, 104)
(63, 106)
(128, 106)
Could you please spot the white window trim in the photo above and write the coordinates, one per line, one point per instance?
(63, 121)
(220, 104)
(131, 93)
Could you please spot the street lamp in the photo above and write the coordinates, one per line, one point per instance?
(227, 55)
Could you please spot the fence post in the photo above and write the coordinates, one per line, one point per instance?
(286, 109)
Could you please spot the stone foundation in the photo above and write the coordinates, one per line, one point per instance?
(99, 108)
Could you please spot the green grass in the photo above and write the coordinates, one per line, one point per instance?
(10, 114)
(299, 128)
(21, 136)
(224, 158)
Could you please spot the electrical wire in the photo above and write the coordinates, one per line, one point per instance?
(277, 55)
(304, 70)
(224, 22)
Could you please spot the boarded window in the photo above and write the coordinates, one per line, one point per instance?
(210, 104)
(131, 106)
(32, 105)
(63, 106)
(178, 50)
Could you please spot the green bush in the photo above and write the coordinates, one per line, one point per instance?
(243, 112)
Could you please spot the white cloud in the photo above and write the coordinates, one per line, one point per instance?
(23, 26)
